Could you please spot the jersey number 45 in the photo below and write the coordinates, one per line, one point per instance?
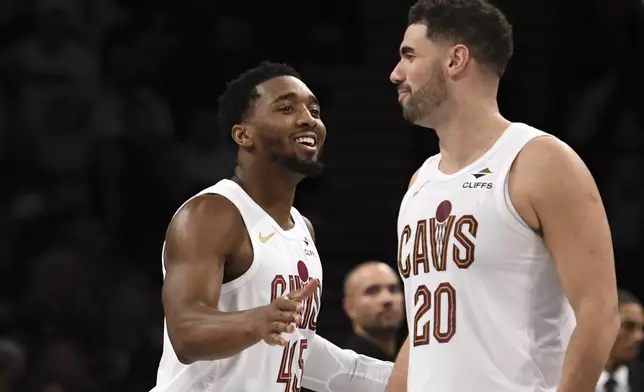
(285, 374)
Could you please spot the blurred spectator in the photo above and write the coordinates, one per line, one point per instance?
(12, 363)
(53, 64)
(61, 366)
(373, 301)
(623, 198)
(133, 335)
(60, 298)
(623, 372)
(135, 152)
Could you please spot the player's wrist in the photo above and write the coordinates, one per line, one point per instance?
(252, 321)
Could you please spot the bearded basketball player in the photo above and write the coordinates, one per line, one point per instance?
(504, 246)
(242, 276)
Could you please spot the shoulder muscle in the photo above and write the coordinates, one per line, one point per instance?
(205, 226)
(201, 235)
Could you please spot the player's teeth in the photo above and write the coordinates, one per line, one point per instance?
(306, 140)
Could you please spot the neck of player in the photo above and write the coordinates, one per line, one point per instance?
(467, 131)
(272, 187)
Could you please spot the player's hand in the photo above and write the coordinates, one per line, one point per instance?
(283, 314)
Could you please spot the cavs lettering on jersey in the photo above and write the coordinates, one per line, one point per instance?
(485, 307)
(283, 261)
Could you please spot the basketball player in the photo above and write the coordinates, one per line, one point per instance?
(243, 278)
(503, 239)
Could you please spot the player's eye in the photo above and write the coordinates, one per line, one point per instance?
(286, 109)
(315, 112)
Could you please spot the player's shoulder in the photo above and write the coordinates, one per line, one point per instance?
(547, 162)
(309, 226)
(208, 211)
(544, 152)
(417, 174)
(414, 177)
(209, 204)
(207, 227)
(307, 222)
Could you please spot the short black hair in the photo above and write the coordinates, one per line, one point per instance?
(475, 23)
(240, 94)
(626, 297)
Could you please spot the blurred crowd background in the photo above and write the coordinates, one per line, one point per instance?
(107, 126)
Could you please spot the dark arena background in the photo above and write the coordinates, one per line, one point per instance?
(107, 126)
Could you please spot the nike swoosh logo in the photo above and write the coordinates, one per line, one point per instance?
(263, 239)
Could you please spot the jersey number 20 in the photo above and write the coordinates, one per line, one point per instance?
(443, 330)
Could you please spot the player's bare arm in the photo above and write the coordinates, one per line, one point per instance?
(332, 369)
(556, 195)
(398, 380)
(206, 238)
(413, 178)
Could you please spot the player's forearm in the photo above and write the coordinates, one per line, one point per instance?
(589, 348)
(332, 369)
(398, 380)
(211, 335)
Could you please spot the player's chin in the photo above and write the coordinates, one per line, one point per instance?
(410, 115)
(308, 158)
(312, 168)
(308, 166)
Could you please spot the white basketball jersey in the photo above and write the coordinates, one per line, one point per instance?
(485, 307)
(283, 261)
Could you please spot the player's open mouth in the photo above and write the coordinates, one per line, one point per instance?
(308, 142)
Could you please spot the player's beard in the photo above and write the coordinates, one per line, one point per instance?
(305, 167)
(428, 98)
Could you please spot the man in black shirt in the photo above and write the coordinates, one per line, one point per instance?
(623, 372)
(374, 302)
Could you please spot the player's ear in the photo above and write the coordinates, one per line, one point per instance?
(458, 58)
(241, 136)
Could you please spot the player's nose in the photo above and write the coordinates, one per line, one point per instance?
(306, 120)
(397, 75)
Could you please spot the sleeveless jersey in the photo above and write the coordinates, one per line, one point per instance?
(283, 261)
(485, 308)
